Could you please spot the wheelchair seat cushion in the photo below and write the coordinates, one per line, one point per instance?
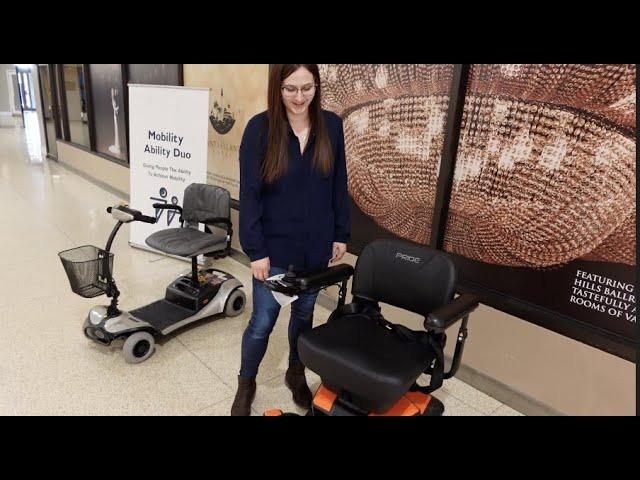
(186, 242)
(354, 353)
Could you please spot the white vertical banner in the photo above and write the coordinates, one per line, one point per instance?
(168, 135)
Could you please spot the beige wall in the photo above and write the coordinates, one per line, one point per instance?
(72, 92)
(5, 101)
(100, 169)
(564, 374)
(241, 90)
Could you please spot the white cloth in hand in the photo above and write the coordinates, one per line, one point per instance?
(281, 298)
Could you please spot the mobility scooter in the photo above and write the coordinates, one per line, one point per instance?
(368, 365)
(190, 298)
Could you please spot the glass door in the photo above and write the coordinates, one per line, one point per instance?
(50, 111)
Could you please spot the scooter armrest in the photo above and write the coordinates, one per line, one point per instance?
(216, 220)
(167, 206)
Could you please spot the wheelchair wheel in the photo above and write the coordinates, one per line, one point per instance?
(434, 409)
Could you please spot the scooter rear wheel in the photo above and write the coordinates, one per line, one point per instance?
(235, 303)
(138, 347)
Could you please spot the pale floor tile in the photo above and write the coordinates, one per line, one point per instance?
(20, 248)
(214, 334)
(454, 407)
(220, 409)
(15, 224)
(469, 395)
(505, 411)
(32, 280)
(274, 395)
(224, 362)
(50, 368)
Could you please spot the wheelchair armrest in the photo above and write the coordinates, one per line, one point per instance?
(327, 277)
(444, 317)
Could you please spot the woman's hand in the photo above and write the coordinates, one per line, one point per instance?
(339, 249)
(261, 268)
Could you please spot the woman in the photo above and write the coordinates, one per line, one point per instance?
(294, 212)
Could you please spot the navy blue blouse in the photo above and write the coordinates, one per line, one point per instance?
(296, 219)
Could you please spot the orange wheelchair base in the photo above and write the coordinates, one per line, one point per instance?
(411, 404)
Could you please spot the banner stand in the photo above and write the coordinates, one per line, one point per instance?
(168, 138)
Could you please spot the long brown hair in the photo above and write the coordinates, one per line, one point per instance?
(277, 158)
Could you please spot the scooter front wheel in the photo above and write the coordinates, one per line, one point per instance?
(138, 347)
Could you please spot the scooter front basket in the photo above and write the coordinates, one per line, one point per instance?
(88, 269)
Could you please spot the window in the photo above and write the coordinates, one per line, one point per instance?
(155, 73)
(109, 107)
(76, 98)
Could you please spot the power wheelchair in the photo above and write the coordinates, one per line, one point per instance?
(368, 365)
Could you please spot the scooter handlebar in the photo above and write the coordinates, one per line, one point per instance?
(127, 215)
(146, 219)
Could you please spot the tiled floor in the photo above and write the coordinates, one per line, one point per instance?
(47, 366)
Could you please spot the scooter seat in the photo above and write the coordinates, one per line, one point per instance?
(374, 364)
(186, 242)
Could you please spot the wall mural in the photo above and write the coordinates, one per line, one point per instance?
(544, 205)
(238, 92)
(394, 119)
(109, 109)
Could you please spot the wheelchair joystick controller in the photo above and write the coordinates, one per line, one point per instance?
(290, 276)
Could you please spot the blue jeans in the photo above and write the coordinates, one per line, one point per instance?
(265, 313)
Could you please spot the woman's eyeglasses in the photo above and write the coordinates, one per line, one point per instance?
(292, 90)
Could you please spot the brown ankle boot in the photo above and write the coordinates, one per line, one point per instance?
(297, 383)
(244, 397)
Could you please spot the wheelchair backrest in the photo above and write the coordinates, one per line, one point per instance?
(408, 276)
(203, 202)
